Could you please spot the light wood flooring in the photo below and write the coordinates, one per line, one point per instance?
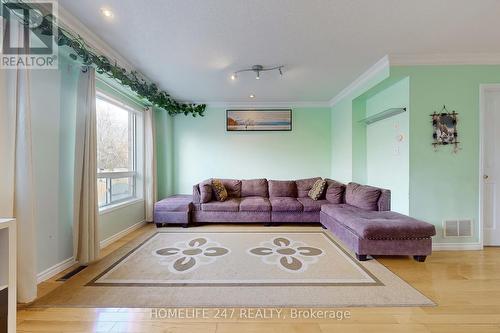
(466, 286)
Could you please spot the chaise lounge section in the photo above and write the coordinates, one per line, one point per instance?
(359, 215)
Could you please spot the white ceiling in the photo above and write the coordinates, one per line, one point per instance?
(190, 47)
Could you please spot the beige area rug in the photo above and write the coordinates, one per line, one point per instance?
(258, 267)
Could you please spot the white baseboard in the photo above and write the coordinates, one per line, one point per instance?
(54, 270)
(65, 264)
(456, 247)
(115, 237)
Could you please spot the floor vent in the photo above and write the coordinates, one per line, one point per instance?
(457, 228)
(67, 276)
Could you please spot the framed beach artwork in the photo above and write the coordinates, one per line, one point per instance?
(259, 120)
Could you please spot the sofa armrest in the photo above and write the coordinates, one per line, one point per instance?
(196, 194)
(384, 202)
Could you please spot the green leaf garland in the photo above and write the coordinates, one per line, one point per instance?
(83, 52)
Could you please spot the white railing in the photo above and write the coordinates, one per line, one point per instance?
(108, 190)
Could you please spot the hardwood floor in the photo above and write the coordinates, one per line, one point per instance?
(465, 285)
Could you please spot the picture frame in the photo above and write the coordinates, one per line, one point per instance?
(444, 125)
(257, 120)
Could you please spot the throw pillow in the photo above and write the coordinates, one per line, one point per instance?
(219, 190)
(206, 191)
(362, 196)
(317, 189)
(334, 191)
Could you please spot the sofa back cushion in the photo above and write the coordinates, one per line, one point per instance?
(205, 191)
(362, 196)
(305, 185)
(233, 187)
(254, 188)
(220, 191)
(282, 188)
(335, 191)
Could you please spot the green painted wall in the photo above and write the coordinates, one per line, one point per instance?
(53, 101)
(444, 185)
(348, 157)
(113, 221)
(203, 149)
(164, 153)
(53, 107)
(383, 150)
(341, 141)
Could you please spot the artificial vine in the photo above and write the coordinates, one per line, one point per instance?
(81, 50)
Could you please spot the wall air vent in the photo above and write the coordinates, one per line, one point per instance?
(457, 228)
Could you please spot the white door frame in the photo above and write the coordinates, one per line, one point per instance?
(483, 88)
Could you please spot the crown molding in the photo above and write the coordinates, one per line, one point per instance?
(444, 59)
(254, 105)
(373, 71)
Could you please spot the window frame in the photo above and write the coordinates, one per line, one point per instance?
(136, 170)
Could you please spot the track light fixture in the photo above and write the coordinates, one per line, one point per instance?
(257, 69)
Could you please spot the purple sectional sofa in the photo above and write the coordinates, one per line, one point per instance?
(357, 214)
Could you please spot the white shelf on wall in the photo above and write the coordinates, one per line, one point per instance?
(8, 270)
(382, 115)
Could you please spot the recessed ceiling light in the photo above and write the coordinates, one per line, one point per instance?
(106, 12)
(252, 96)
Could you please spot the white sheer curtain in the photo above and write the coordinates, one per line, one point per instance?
(85, 221)
(150, 195)
(17, 171)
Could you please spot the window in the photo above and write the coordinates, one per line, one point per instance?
(119, 142)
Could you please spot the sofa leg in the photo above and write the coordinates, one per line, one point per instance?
(420, 258)
(185, 225)
(268, 224)
(362, 257)
(159, 225)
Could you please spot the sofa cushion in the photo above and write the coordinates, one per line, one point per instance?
(206, 191)
(254, 188)
(233, 187)
(305, 185)
(285, 204)
(282, 188)
(378, 225)
(317, 190)
(362, 196)
(230, 205)
(334, 191)
(255, 204)
(219, 189)
(311, 205)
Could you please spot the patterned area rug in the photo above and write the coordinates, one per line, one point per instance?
(303, 267)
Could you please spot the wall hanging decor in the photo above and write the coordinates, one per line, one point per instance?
(444, 125)
(259, 120)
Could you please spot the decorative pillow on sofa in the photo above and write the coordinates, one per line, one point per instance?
(334, 191)
(317, 189)
(305, 185)
(205, 191)
(362, 196)
(219, 190)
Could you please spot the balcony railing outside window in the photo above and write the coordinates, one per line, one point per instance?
(116, 152)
